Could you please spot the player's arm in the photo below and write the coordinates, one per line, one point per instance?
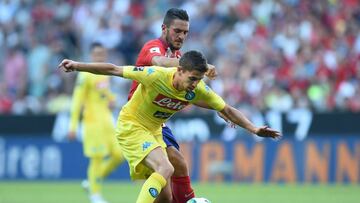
(95, 68)
(144, 75)
(164, 61)
(210, 100)
(235, 116)
(204, 105)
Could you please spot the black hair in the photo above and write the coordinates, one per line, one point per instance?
(173, 14)
(96, 44)
(193, 60)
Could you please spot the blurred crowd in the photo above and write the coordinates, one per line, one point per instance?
(270, 54)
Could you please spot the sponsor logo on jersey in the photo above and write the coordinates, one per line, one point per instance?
(190, 95)
(155, 50)
(162, 115)
(146, 145)
(170, 103)
(150, 71)
(207, 88)
(138, 68)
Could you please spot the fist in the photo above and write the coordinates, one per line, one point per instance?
(68, 65)
(211, 73)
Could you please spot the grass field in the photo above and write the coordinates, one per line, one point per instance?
(125, 192)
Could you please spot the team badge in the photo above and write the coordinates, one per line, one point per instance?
(153, 192)
(189, 95)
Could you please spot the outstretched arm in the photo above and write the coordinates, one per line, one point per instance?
(95, 68)
(235, 116)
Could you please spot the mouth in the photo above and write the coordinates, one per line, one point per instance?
(179, 41)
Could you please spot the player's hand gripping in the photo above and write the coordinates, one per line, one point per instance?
(211, 73)
(265, 131)
(67, 65)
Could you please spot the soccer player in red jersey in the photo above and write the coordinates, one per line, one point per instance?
(165, 52)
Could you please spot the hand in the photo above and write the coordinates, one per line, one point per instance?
(265, 131)
(68, 65)
(211, 73)
(231, 124)
(72, 135)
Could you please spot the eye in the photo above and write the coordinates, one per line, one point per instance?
(193, 78)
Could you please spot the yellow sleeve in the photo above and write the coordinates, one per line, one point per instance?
(207, 95)
(78, 98)
(142, 74)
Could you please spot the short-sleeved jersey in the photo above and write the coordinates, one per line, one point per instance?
(155, 47)
(156, 100)
(93, 94)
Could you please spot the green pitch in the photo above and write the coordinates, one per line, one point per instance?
(126, 192)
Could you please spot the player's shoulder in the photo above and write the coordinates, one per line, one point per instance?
(154, 42)
(159, 71)
(202, 87)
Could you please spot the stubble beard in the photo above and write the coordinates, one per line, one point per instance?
(168, 40)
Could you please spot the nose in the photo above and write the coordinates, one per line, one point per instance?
(194, 84)
(182, 36)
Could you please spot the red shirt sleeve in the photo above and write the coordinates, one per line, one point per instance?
(149, 50)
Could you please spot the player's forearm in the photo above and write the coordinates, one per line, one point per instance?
(235, 116)
(100, 68)
(165, 61)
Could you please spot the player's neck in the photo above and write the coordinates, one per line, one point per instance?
(163, 40)
(175, 82)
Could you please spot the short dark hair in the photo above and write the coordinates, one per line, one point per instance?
(96, 44)
(194, 60)
(173, 14)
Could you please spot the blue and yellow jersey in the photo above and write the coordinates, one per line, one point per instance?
(92, 93)
(156, 100)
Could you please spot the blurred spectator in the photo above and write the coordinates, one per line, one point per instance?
(272, 54)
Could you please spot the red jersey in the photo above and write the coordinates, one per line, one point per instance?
(155, 47)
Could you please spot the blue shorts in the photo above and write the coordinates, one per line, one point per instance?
(169, 138)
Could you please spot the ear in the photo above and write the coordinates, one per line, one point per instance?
(180, 69)
(163, 28)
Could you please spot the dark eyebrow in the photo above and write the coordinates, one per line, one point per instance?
(195, 78)
(180, 30)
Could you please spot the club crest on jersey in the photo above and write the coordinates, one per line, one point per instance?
(190, 95)
(169, 103)
(153, 192)
(139, 68)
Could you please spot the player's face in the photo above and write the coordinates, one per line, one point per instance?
(98, 54)
(176, 33)
(190, 79)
